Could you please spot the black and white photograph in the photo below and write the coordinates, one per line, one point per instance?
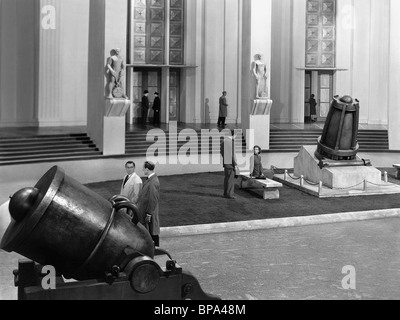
(227, 152)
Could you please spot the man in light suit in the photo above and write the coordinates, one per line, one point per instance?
(149, 202)
(131, 184)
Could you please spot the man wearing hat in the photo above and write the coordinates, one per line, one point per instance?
(149, 202)
(223, 110)
(156, 109)
(145, 106)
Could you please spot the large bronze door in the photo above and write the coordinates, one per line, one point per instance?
(325, 94)
(174, 95)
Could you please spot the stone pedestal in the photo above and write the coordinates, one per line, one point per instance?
(306, 164)
(259, 123)
(114, 126)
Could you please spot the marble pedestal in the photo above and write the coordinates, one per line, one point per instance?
(114, 126)
(259, 124)
(306, 165)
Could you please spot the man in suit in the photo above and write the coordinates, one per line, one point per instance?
(132, 184)
(223, 110)
(145, 106)
(149, 202)
(230, 165)
(156, 109)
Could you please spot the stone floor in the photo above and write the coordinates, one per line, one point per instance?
(299, 263)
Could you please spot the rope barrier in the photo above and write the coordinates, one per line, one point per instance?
(302, 180)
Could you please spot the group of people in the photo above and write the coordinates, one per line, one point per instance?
(146, 106)
(231, 170)
(145, 195)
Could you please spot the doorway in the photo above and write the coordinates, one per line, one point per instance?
(144, 79)
(319, 83)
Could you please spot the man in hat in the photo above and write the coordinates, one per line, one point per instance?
(156, 109)
(149, 202)
(145, 106)
(223, 110)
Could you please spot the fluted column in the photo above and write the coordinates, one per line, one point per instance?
(49, 84)
(256, 39)
(394, 76)
(107, 31)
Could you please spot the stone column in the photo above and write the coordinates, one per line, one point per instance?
(62, 62)
(394, 76)
(260, 123)
(256, 39)
(106, 117)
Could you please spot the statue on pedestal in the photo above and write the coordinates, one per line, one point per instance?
(116, 73)
(261, 74)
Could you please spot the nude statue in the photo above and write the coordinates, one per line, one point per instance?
(261, 74)
(116, 68)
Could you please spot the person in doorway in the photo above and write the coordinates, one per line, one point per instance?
(313, 108)
(156, 109)
(145, 106)
(131, 184)
(256, 168)
(223, 110)
(149, 202)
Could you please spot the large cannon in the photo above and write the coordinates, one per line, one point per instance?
(338, 144)
(109, 255)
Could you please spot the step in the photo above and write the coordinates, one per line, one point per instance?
(43, 138)
(51, 159)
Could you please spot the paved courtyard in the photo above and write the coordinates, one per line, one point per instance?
(296, 263)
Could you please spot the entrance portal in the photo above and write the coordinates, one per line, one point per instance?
(319, 83)
(144, 79)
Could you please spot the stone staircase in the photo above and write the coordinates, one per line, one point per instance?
(136, 144)
(78, 146)
(45, 148)
(292, 140)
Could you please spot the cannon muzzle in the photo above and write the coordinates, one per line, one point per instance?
(63, 224)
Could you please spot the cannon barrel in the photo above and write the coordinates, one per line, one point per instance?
(339, 137)
(62, 223)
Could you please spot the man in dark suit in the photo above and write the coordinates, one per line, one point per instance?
(145, 106)
(156, 109)
(223, 110)
(149, 202)
(230, 165)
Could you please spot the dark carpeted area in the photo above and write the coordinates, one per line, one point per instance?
(197, 199)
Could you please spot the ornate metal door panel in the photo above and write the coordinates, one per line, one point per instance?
(307, 95)
(174, 94)
(176, 32)
(320, 33)
(325, 93)
(149, 31)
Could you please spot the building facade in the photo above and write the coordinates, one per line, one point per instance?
(54, 52)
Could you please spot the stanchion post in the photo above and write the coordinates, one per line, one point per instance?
(286, 175)
(320, 187)
(301, 181)
(385, 176)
